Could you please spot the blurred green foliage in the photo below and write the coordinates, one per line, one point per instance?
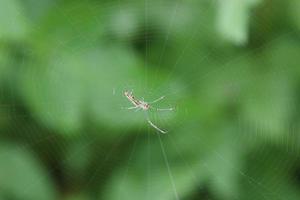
(230, 67)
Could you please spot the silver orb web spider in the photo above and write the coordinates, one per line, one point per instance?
(145, 106)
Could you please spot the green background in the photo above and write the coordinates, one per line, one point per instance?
(230, 68)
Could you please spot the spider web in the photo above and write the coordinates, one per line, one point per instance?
(163, 165)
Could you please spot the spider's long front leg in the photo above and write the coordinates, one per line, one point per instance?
(157, 100)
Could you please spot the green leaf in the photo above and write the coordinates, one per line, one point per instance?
(4, 62)
(283, 55)
(293, 10)
(71, 85)
(69, 23)
(22, 176)
(134, 182)
(270, 100)
(123, 23)
(76, 77)
(224, 167)
(77, 159)
(77, 196)
(233, 19)
(195, 157)
(38, 9)
(268, 104)
(13, 22)
(270, 174)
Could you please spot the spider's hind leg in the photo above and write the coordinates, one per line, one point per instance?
(154, 126)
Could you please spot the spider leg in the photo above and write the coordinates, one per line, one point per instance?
(157, 100)
(154, 126)
(130, 108)
(163, 109)
(138, 108)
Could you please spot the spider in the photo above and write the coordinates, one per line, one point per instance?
(145, 106)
